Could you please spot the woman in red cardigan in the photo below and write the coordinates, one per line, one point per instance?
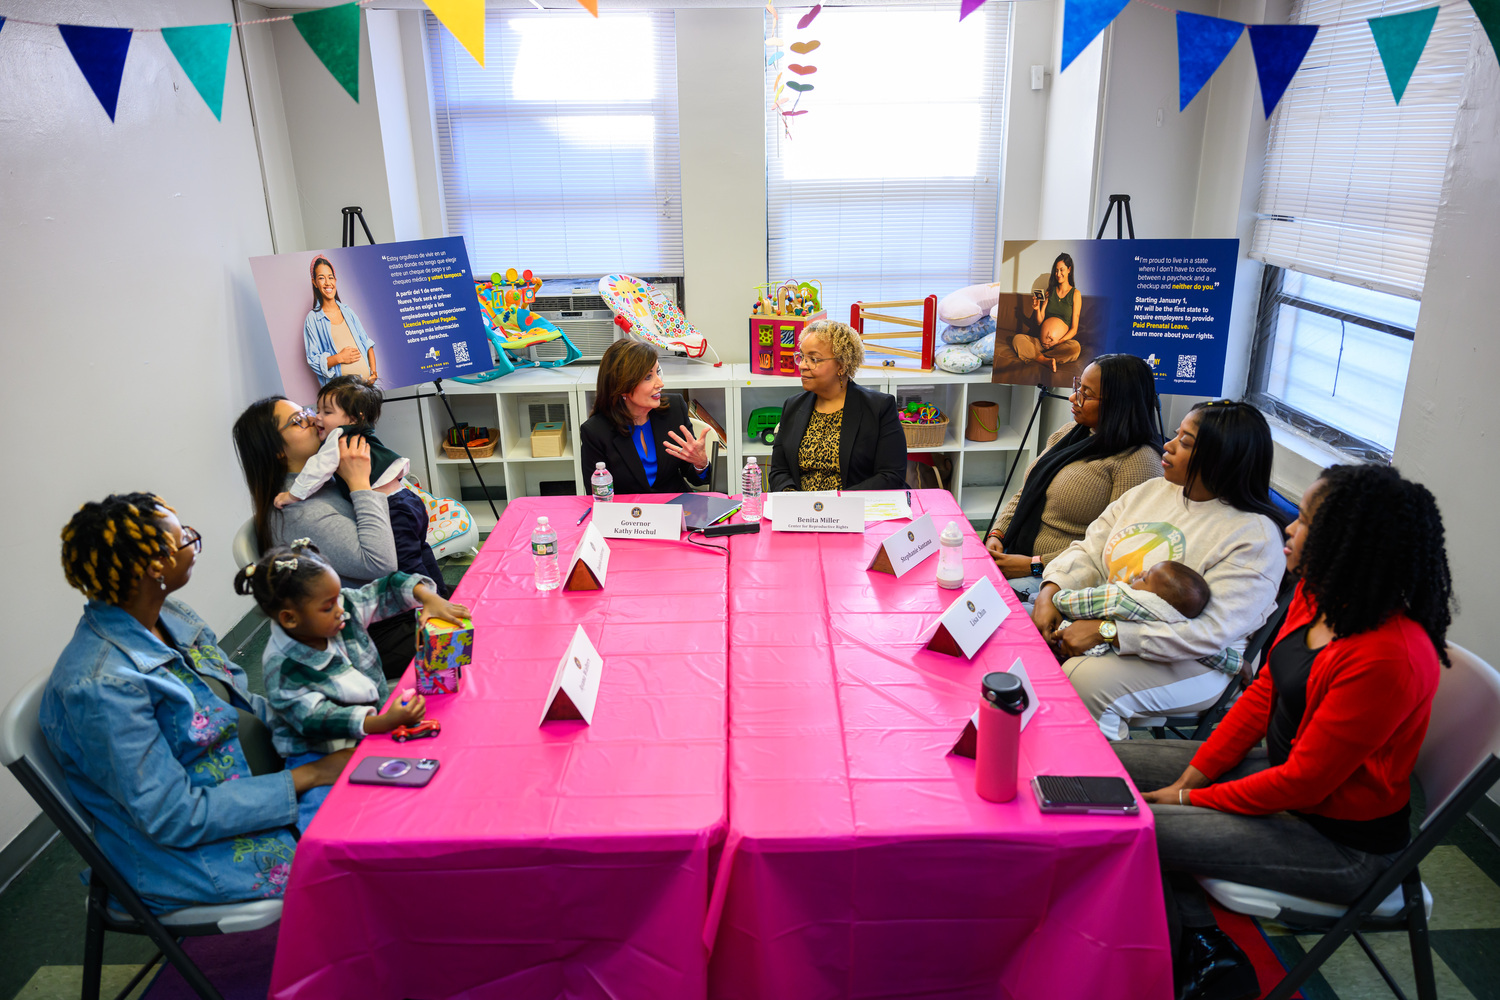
(1342, 703)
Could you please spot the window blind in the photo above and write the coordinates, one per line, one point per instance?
(561, 155)
(1352, 179)
(888, 188)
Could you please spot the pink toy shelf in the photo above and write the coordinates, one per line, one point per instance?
(778, 316)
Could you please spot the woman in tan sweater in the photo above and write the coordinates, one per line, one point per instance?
(1112, 445)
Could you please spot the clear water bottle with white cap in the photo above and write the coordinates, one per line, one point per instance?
(544, 555)
(750, 491)
(603, 483)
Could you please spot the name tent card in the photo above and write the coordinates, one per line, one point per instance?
(906, 547)
(969, 621)
(968, 740)
(805, 512)
(590, 562)
(639, 520)
(575, 686)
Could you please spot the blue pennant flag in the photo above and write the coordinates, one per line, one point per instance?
(1279, 50)
(1082, 22)
(100, 54)
(2, 23)
(1202, 44)
(1401, 39)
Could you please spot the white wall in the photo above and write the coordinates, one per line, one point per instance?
(1069, 151)
(132, 336)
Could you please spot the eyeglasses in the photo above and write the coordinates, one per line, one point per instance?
(302, 418)
(813, 362)
(191, 537)
(1083, 393)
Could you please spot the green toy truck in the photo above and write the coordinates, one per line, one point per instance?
(763, 423)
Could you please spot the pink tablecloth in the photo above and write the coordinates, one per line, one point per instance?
(565, 861)
(860, 862)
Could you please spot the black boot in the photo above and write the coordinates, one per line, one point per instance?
(1214, 967)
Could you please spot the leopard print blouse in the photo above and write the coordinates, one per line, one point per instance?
(818, 457)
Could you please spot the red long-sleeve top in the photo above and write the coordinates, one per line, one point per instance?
(1369, 697)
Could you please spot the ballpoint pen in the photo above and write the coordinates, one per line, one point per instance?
(908, 499)
(585, 516)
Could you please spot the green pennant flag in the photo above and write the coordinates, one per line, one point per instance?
(1401, 39)
(1488, 12)
(333, 35)
(202, 50)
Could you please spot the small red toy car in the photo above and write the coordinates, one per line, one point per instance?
(422, 730)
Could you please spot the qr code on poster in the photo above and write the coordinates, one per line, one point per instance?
(461, 352)
(1187, 366)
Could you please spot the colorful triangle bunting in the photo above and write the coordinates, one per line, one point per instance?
(1488, 12)
(1401, 39)
(1279, 50)
(464, 19)
(592, 6)
(202, 50)
(333, 35)
(2, 23)
(1202, 44)
(100, 54)
(1082, 22)
(968, 7)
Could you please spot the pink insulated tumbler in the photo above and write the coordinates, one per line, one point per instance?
(999, 736)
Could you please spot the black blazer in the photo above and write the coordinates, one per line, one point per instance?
(603, 442)
(872, 446)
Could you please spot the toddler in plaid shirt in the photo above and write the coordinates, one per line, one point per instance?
(1168, 592)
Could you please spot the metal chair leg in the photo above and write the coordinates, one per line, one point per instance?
(1416, 932)
(93, 939)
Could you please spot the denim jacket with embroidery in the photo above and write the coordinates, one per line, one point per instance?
(153, 755)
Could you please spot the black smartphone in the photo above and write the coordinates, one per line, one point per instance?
(1109, 796)
(408, 772)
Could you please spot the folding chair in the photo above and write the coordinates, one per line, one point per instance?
(1460, 760)
(112, 904)
(243, 546)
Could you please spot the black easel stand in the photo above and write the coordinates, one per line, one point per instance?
(1041, 394)
(1123, 217)
(351, 213)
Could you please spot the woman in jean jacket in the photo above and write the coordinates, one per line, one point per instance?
(149, 750)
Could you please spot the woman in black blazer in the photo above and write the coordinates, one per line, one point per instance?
(871, 447)
(640, 433)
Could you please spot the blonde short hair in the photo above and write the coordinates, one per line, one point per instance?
(847, 349)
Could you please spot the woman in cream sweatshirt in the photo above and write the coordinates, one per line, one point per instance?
(1210, 510)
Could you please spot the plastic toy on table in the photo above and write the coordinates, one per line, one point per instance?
(644, 312)
(513, 329)
(920, 413)
(763, 423)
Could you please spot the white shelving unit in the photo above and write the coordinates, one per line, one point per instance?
(729, 393)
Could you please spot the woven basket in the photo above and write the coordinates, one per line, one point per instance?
(925, 435)
(482, 451)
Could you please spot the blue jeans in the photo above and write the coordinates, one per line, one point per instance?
(308, 801)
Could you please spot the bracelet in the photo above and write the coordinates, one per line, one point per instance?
(1180, 793)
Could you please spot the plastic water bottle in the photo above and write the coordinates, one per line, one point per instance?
(750, 498)
(1003, 700)
(544, 555)
(950, 567)
(603, 483)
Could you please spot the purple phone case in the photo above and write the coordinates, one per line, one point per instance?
(367, 774)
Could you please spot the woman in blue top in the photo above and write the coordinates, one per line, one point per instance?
(640, 433)
(335, 339)
(149, 749)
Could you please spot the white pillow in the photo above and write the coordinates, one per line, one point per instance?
(969, 304)
(955, 359)
(968, 334)
(984, 349)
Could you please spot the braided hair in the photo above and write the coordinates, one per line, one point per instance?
(282, 577)
(1375, 547)
(111, 544)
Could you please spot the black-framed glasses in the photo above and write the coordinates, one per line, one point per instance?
(799, 357)
(1084, 393)
(302, 418)
(191, 537)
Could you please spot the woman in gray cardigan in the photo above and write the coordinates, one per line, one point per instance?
(275, 437)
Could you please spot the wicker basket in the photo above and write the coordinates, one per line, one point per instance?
(925, 435)
(480, 451)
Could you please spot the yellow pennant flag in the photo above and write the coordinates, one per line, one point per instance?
(465, 20)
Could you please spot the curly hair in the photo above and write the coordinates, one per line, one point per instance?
(109, 545)
(847, 349)
(1375, 547)
(281, 577)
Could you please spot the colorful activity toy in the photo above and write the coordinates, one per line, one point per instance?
(646, 313)
(860, 312)
(779, 314)
(505, 306)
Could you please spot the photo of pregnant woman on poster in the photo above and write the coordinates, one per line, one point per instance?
(333, 335)
(1057, 308)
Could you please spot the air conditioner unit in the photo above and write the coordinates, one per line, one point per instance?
(535, 410)
(575, 305)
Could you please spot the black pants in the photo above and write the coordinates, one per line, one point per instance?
(396, 638)
(1280, 852)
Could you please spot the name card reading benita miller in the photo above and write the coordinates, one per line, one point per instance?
(575, 685)
(589, 563)
(639, 520)
(818, 512)
(969, 621)
(906, 547)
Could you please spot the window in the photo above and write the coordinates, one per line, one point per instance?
(1347, 206)
(561, 155)
(888, 188)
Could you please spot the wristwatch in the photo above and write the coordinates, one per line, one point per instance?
(1036, 567)
(1108, 631)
